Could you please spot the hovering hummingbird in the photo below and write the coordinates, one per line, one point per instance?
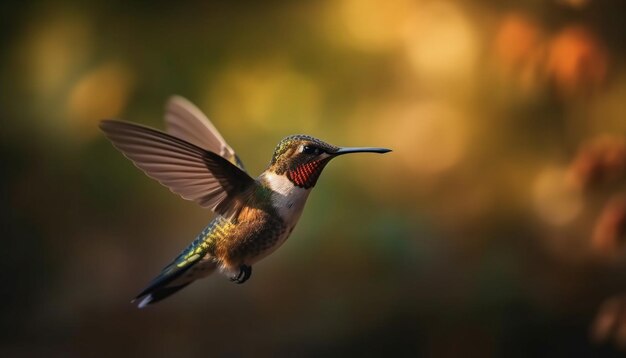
(254, 216)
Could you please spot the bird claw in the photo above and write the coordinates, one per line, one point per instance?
(244, 274)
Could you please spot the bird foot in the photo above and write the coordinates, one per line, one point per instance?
(244, 274)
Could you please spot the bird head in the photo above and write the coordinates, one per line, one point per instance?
(302, 158)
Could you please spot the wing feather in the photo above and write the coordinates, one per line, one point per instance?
(186, 169)
(184, 120)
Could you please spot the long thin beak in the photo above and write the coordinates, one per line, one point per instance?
(348, 150)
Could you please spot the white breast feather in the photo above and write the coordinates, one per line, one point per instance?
(288, 199)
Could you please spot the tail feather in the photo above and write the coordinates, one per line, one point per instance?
(172, 279)
(158, 294)
(163, 285)
(167, 275)
(193, 263)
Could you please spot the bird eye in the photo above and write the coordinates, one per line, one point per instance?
(309, 149)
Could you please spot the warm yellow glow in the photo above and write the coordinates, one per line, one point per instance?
(429, 137)
(53, 49)
(370, 24)
(441, 43)
(101, 93)
(608, 110)
(556, 202)
(263, 95)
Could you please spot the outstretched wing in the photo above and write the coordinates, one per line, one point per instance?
(188, 170)
(184, 120)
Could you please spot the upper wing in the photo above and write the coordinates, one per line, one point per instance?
(188, 170)
(186, 121)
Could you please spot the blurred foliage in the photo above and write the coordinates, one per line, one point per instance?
(496, 227)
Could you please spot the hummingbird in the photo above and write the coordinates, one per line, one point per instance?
(254, 216)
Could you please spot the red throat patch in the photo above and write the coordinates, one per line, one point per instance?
(306, 175)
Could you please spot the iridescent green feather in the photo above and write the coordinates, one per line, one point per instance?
(180, 272)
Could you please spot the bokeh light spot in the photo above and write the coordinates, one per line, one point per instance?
(371, 25)
(429, 137)
(577, 61)
(101, 93)
(54, 48)
(264, 95)
(520, 50)
(556, 202)
(441, 43)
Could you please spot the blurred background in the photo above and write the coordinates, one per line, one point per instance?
(496, 227)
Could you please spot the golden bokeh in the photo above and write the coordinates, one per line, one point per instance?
(53, 49)
(262, 95)
(556, 202)
(441, 44)
(429, 137)
(100, 93)
(369, 25)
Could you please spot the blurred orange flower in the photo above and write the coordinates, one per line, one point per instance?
(577, 61)
(574, 59)
(517, 40)
(519, 48)
(610, 228)
(610, 322)
(600, 159)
